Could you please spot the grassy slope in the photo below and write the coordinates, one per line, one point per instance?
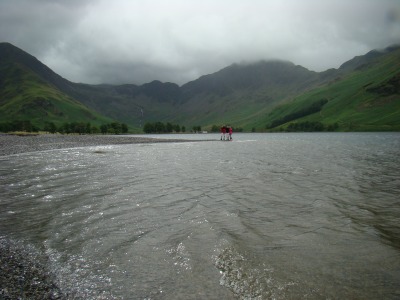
(24, 96)
(243, 96)
(353, 103)
(125, 104)
(238, 94)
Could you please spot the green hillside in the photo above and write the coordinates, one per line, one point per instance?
(129, 103)
(26, 96)
(362, 95)
(366, 99)
(235, 94)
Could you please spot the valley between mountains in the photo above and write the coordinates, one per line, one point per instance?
(362, 95)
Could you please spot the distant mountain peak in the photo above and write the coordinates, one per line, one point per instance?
(242, 89)
(368, 58)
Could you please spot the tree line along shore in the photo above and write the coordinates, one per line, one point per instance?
(67, 127)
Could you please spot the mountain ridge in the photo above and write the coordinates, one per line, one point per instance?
(239, 94)
(29, 91)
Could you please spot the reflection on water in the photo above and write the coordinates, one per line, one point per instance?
(274, 216)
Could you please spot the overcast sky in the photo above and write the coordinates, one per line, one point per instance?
(137, 41)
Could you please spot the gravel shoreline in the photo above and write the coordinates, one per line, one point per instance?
(23, 273)
(14, 144)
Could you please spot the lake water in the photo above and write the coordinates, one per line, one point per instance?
(267, 216)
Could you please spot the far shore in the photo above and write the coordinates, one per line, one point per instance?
(15, 144)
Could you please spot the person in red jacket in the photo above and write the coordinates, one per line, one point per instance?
(230, 133)
(223, 132)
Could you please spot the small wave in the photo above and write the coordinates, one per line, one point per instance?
(246, 141)
(247, 281)
(77, 278)
(181, 257)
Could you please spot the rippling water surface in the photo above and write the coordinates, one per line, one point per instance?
(267, 216)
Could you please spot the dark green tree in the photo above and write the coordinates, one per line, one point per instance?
(168, 127)
(177, 128)
(80, 128)
(116, 127)
(88, 128)
(103, 128)
(159, 127)
(50, 127)
(148, 127)
(95, 130)
(124, 128)
(196, 128)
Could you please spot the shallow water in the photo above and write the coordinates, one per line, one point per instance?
(267, 216)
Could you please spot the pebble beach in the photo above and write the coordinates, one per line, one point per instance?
(14, 144)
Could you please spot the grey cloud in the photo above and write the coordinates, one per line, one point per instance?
(133, 41)
(38, 25)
